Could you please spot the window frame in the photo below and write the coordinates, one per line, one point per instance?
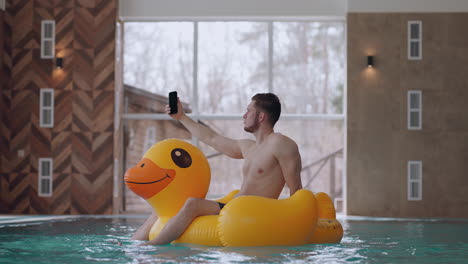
(415, 110)
(45, 177)
(44, 39)
(147, 145)
(415, 40)
(411, 196)
(42, 107)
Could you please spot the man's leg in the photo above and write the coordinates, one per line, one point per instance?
(176, 226)
(142, 232)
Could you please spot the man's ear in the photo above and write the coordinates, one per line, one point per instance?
(261, 116)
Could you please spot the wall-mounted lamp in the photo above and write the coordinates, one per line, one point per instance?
(370, 61)
(59, 62)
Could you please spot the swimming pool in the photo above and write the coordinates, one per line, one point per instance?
(366, 240)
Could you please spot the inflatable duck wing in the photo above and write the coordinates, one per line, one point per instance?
(173, 170)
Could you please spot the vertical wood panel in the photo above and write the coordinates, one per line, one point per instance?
(81, 141)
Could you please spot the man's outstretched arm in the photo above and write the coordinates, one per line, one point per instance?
(227, 146)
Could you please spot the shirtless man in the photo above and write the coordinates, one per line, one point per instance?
(271, 161)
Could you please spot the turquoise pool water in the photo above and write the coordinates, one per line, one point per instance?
(98, 239)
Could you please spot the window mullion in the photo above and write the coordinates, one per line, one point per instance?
(270, 57)
(195, 99)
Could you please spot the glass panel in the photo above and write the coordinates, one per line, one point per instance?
(309, 66)
(45, 168)
(47, 99)
(150, 138)
(415, 171)
(414, 49)
(159, 57)
(414, 101)
(48, 29)
(414, 119)
(414, 191)
(320, 143)
(45, 186)
(414, 31)
(140, 101)
(233, 65)
(47, 47)
(47, 116)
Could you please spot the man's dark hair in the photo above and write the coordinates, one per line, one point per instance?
(270, 104)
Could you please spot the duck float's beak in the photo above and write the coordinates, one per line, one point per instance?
(147, 179)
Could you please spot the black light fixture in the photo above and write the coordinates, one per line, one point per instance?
(59, 62)
(370, 61)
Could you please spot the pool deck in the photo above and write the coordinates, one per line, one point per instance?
(24, 219)
(17, 219)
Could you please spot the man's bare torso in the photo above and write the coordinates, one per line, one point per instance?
(262, 175)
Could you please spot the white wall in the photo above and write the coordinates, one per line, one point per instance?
(2, 4)
(406, 6)
(173, 9)
(147, 9)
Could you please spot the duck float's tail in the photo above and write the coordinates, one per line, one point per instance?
(328, 230)
(260, 221)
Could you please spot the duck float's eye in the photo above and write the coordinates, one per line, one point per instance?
(181, 158)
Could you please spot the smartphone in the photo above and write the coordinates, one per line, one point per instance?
(173, 102)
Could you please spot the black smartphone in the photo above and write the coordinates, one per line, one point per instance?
(173, 102)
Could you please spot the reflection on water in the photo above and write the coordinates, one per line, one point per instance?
(107, 240)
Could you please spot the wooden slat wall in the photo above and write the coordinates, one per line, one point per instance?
(81, 141)
(5, 100)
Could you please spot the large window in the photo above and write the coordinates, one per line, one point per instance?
(217, 66)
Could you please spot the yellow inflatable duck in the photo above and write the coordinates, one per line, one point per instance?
(173, 170)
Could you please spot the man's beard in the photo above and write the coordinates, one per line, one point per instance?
(253, 127)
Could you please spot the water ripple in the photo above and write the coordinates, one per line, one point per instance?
(107, 240)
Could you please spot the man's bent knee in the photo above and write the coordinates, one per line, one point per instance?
(197, 207)
(191, 205)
